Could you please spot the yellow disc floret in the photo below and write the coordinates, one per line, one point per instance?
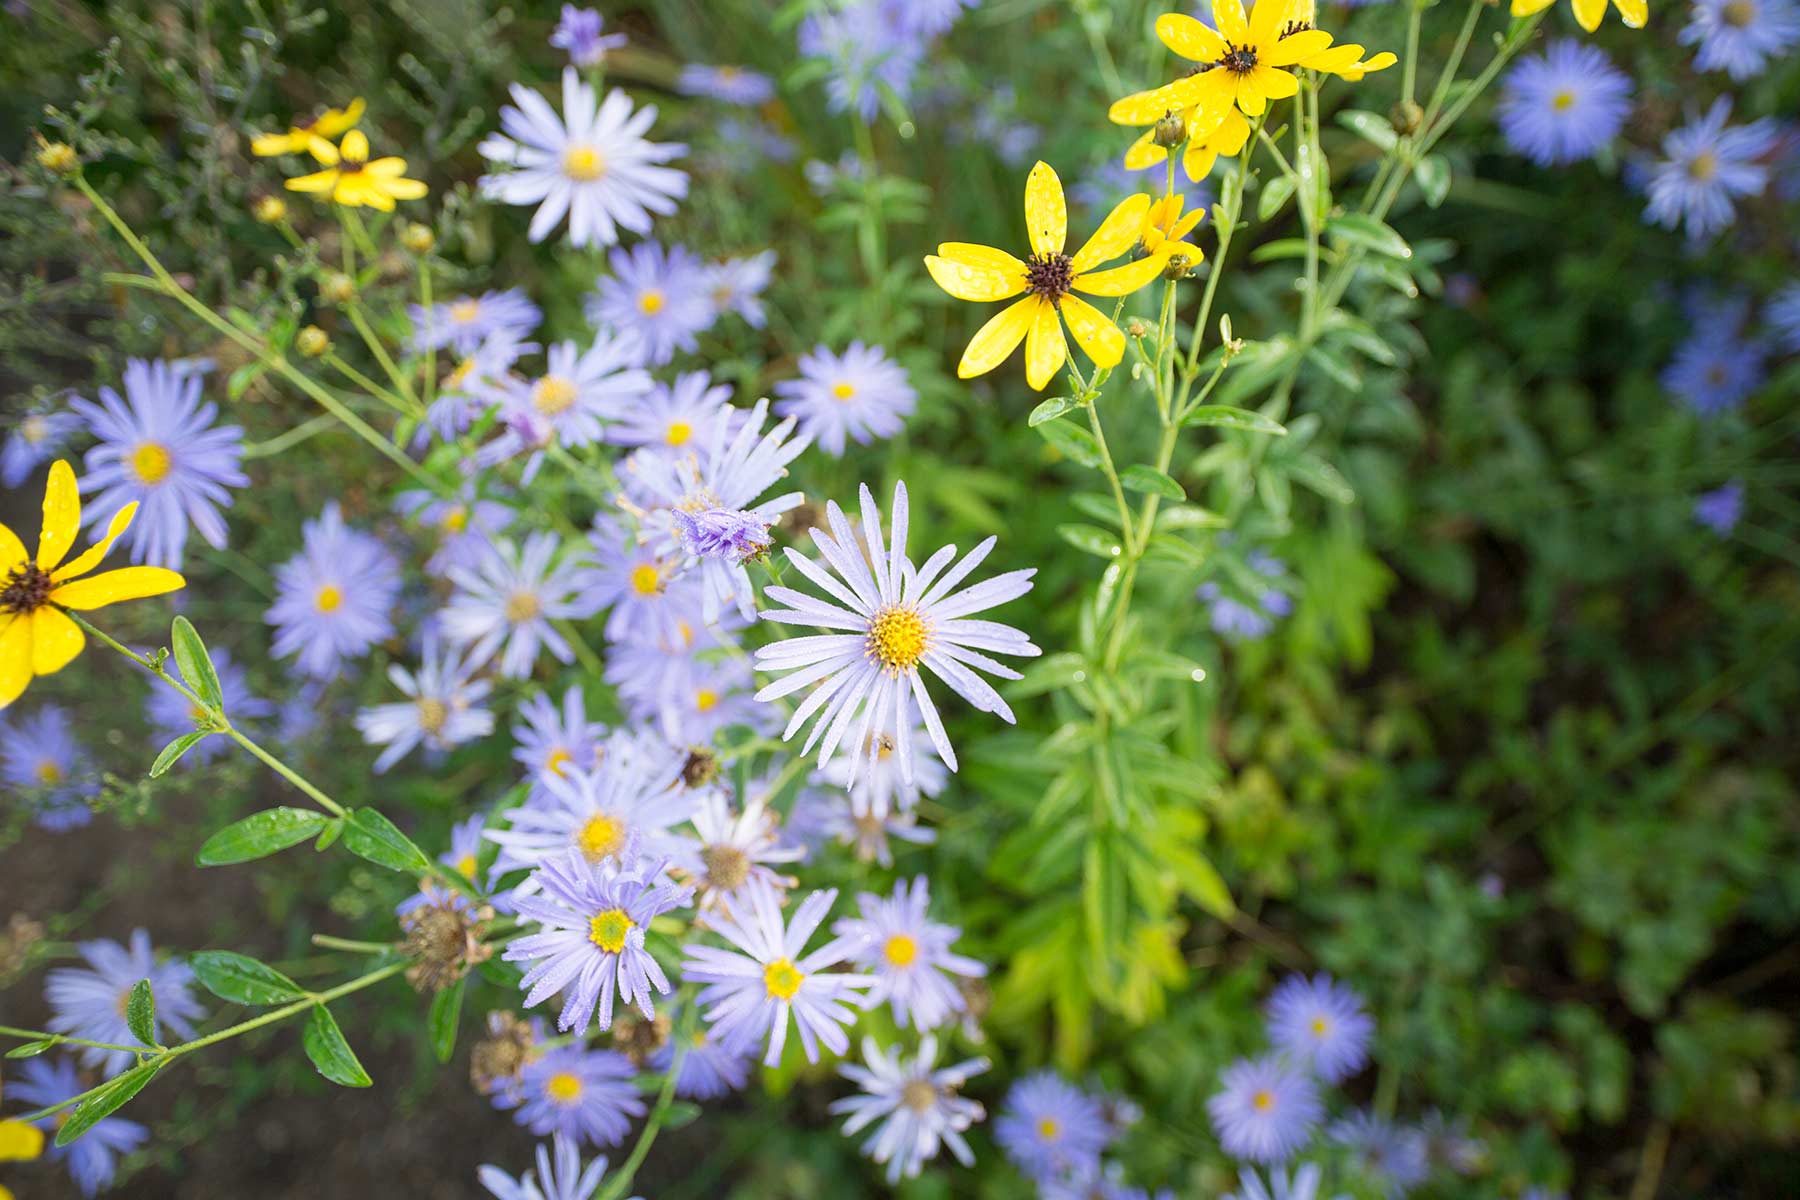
(609, 929)
(897, 638)
(151, 463)
(782, 979)
(900, 950)
(600, 837)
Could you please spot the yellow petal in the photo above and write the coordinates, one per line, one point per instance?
(1120, 281)
(55, 641)
(1045, 348)
(20, 1141)
(15, 658)
(1228, 17)
(1144, 152)
(1147, 108)
(1633, 12)
(1588, 13)
(266, 144)
(90, 558)
(126, 583)
(1232, 133)
(1117, 234)
(1198, 161)
(1098, 337)
(1380, 62)
(12, 551)
(1334, 59)
(1046, 212)
(985, 257)
(1184, 226)
(335, 121)
(968, 282)
(1189, 38)
(355, 146)
(1524, 8)
(1265, 24)
(318, 181)
(1296, 48)
(404, 189)
(62, 515)
(997, 339)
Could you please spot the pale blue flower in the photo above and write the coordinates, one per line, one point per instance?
(859, 395)
(722, 533)
(866, 52)
(464, 524)
(443, 707)
(736, 285)
(709, 1069)
(1741, 37)
(910, 955)
(334, 599)
(672, 416)
(1717, 367)
(916, 1103)
(1265, 1110)
(561, 1178)
(1050, 1128)
(40, 756)
(1321, 1023)
(648, 599)
(1706, 166)
(90, 1002)
(38, 437)
(733, 85)
(1565, 104)
(1720, 509)
(584, 1095)
(1783, 316)
(579, 32)
(661, 296)
(1393, 1156)
(548, 741)
(463, 324)
(734, 849)
(507, 603)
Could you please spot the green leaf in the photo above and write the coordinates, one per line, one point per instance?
(325, 1045)
(241, 979)
(1049, 410)
(1370, 127)
(682, 1112)
(260, 835)
(1320, 477)
(106, 1100)
(1141, 478)
(242, 378)
(171, 753)
(372, 836)
(1358, 229)
(1076, 443)
(1279, 248)
(333, 832)
(140, 1012)
(1433, 174)
(1095, 541)
(1275, 193)
(1198, 878)
(196, 665)
(1233, 418)
(1190, 516)
(31, 1049)
(446, 1011)
(1341, 370)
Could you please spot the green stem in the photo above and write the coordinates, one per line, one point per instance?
(327, 942)
(286, 441)
(332, 359)
(388, 367)
(665, 1099)
(1112, 473)
(62, 1039)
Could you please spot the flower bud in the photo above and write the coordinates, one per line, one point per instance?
(418, 238)
(1137, 327)
(270, 210)
(1406, 116)
(59, 158)
(312, 342)
(1171, 131)
(338, 288)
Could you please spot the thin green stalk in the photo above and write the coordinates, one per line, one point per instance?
(327, 942)
(333, 360)
(304, 431)
(1409, 71)
(431, 348)
(63, 1039)
(1112, 472)
(665, 1099)
(1454, 63)
(388, 367)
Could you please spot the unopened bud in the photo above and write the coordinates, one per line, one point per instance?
(418, 238)
(1171, 131)
(270, 210)
(312, 341)
(1177, 266)
(1137, 327)
(58, 158)
(338, 288)
(1406, 116)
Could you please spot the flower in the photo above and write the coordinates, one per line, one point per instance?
(563, 1178)
(40, 755)
(737, 284)
(1048, 278)
(659, 295)
(36, 635)
(1049, 1127)
(1705, 165)
(878, 789)
(1716, 368)
(592, 163)
(464, 855)
(466, 391)
(1265, 1110)
(442, 709)
(1565, 104)
(733, 85)
(464, 523)
(89, 1002)
(1392, 1155)
(917, 1104)
(577, 1093)
(300, 136)
(1303, 1184)
(354, 180)
(92, 1157)
(750, 994)
(510, 599)
(723, 533)
(865, 51)
(464, 323)
(897, 618)
(37, 436)
(159, 448)
(734, 850)
(909, 954)
(333, 598)
(1253, 619)
(639, 585)
(672, 415)
(549, 743)
(578, 32)
(1209, 139)
(860, 394)
(591, 923)
(615, 812)
(1589, 12)
(926, 19)
(174, 715)
(1740, 37)
(1322, 1023)
(708, 1069)
(577, 389)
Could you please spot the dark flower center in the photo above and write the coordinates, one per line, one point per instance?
(1049, 275)
(27, 589)
(1239, 60)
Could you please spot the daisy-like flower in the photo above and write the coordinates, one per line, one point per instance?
(549, 741)
(709, 697)
(896, 619)
(709, 1069)
(909, 953)
(36, 635)
(865, 50)
(1741, 37)
(160, 449)
(579, 387)
(1050, 1127)
(750, 994)
(1392, 1155)
(93, 1157)
(1322, 1023)
(351, 178)
(579, 32)
(172, 714)
(592, 164)
(623, 808)
(1706, 165)
(672, 414)
(464, 524)
(1720, 509)
(861, 394)
(90, 1002)
(470, 387)
(301, 135)
(1249, 620)
(442, 708)
(590, 939)
(584, 1095)
(734, 850)
(857, 822)
(736, 286)
(510, 599)
(462, 324)
(38, 435)
(464, 855)
(333, 599)
(639, 585)
(1266, 1109)
(659, 295)
(1588, 13)
(1717, 367)
(1165, 229)
(1783, 316)
(1048, 279)
(39, 755)
(733, 85)
(559, 1178)
(1565, 104)
(926, 19)
(878, 788)
(917, 1104)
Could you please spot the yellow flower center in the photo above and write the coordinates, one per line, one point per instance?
(600, 837)
(521, 606)
(456, 520)
(552, 395)
(651, 301)
(455, 379)
(1262, 1100)
(432, 714)
(727, 867)
(563, 1088)
(557, 762)
(150, 462)
(919, 1096)
(1704, 166)
(897, 638)
(49, 774)
(1740, 13)
(782, 979)
(1563, 101)
(1049, 1129)
(842, 391)
(646, 580)
(34, 428)
(607, 930)
(679, 433)
(465, 866)
(900, 950)
(464, 311)
(706, 699)
(584, 164)
(330, 598)
(1320, 1027)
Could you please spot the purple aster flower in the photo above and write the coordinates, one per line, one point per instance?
(90, 1002)
(706, 697)
(1321, 1023)
(464, 323)
(1303, 1184)
(1249, 620)
(656, 676)
(861, 394)
(1707, 164)
(736, 286)
(1050, 1127)
(577, 389)
(925, 19)
(624, 807)
(1783, 316)
(734, 850)
(723, 533)
(591, 922)
(442, 708)
(463, 524)
(561, 1178)
(1265, 1110)
(549, 741)
(855, 822)
(1720, 509)
(171, 714)
(917, 1104)
(708, 1069)
(909, 954)
(579, 32)
(659, 295)
(580, 1094)
(591, 164)
(1741, 37)
(40, 756)
(826, 179)
(740, 146)
(471, 386)
(639, 586)
(159, 447)
(749, 994)
(38, 437)
(672, 415)
(1391, 1155)
(1565, 104)
(93, 1157)
(510, 599)
(464, 855)
(1716, 368)
(334, 597)
(865, 50)
(733, 85)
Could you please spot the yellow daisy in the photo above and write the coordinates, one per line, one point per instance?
(1589, 12)
(36, 635)
(1203, 148)
(1165, 228)
(300, 138)
(353, 180)
(1048, 278)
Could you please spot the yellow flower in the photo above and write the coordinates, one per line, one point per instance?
(300, 138)
(1589, 12)
(1165, 228)
(1204, 147)
(353, 180)
(19, 1142)
(36, 635)
(1048, 277)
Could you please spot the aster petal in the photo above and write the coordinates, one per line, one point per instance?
(1045, 348)
(62, 516)
(1119, 281)
(126, 583)
(1117, 234)
(15, 658)
(1190, 38)
(1046, 212)
(997, 339)
(1094, 331)
(55, 641)
(90, 558)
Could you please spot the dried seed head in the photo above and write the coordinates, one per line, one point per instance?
(638, 1039)
(701, 768)
(443, 938)
(497, 1059)
(1171, 131)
